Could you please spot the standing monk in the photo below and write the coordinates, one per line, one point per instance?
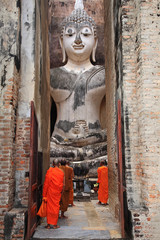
(53, 186)
(71, 192)
(103, 183)
(65, 195)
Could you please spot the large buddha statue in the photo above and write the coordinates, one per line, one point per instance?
(78, 89)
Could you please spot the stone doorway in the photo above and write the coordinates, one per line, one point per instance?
(109, 38)
(110, 55)
(131, 14)
(131, 34)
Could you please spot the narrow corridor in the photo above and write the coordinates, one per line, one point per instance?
(86, 220)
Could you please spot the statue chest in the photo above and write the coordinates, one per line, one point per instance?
(88, 85)
(79, 92)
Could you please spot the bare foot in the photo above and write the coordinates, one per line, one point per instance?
(48, 226)
(56, 226)
(64, 217)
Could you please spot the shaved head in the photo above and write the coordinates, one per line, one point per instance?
(63, 162)
(55, 162)
(102, 163)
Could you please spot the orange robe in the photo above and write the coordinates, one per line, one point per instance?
(103, 184)
(52, 188)
(65, 195)
(71, 189)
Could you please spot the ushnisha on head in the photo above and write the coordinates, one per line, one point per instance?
(79, 31)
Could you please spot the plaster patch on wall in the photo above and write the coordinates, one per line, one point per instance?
(27, 88)
(24, 110)
(19, 175)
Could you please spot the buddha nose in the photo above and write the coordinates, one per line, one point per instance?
(78, 39)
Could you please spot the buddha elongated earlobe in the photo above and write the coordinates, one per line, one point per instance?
(63, 50)
(63, 55)
(94, 51)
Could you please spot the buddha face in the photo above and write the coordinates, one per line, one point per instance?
(79, 42)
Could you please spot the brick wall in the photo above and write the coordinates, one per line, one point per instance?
(22, 162)
(133, 168)
(111, 107)
(35, 82)
(21, 81)
(9, 78)
(14, 223)
(140, 24)
(26, 95)
(136, 83)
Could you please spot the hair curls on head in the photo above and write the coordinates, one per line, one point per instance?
(78, 17)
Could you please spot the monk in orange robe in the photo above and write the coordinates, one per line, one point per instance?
(103, 183)
(71, 192)
(65, 195)
(52, 189)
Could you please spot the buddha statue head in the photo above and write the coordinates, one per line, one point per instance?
(78, 38)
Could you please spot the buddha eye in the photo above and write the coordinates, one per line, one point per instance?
(86, 31)
(69, 32)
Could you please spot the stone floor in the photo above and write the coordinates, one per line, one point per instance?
(86, 220)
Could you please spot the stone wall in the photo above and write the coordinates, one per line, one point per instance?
(26, 95)
(14, 224)
(24, 78)
(135, 82)
(111, 106)
(140, 44)
(9, 78)
(34, 87)
(130, 102)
